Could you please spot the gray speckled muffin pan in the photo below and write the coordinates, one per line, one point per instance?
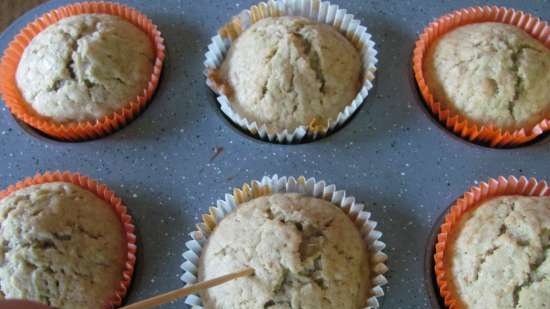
(392, 155)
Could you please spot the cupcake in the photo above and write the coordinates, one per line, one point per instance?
(285, 73)
(491, 73)
(309, 245)
(64, 246)
(306, 253)
(83, 70)
(483, 72)
(85, 67)
(498, 254)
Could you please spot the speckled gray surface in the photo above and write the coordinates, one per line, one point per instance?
(392, 155)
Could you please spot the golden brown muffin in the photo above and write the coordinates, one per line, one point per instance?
(85, 67)
(287, 72)
(491, 73)
(60, 245)
(305, 251)
(499, 256)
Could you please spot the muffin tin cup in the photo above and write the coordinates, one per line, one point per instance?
(465, 128)
(469, 201)
(307, 187)
(430, 284)
(83, 130)
(101, 191)
(322, 12)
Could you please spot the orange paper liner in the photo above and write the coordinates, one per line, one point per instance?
(469, 201)
(465, 128)
(101, 191)
(82, 130)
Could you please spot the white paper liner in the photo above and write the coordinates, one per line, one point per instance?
(307, 187)
(322, 12)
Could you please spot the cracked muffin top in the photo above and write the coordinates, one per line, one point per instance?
(85, 67)
(287, 72)
(306, 254)
(60, 245)
(491, 73)
(500, 254)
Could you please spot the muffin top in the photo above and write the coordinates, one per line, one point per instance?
(500, 254)
(85, 67)
(491, 73)
(305, 251)
(287, 72)
(59, 245)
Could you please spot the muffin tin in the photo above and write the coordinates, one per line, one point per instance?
(392, 155)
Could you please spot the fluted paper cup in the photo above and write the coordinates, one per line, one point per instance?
(474, 197)
(455, 122)
(77, 130)
(322, 12)
(101, 191)
(307, 187)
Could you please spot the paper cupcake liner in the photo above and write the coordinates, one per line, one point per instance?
(101, 191)
(307, 187)
(322, 12)
(471, 199)
(83, 130)
(465, 128)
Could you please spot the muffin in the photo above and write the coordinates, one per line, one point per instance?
(499, 254)
(289, 72)
(493, 74)
(60, 245)
(85, 67)
(305, 251)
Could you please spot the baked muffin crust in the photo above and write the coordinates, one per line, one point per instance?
(500, 254)
(491, 73)
(305, 251)
(287, 72)
(85, 67)
(59, 245)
